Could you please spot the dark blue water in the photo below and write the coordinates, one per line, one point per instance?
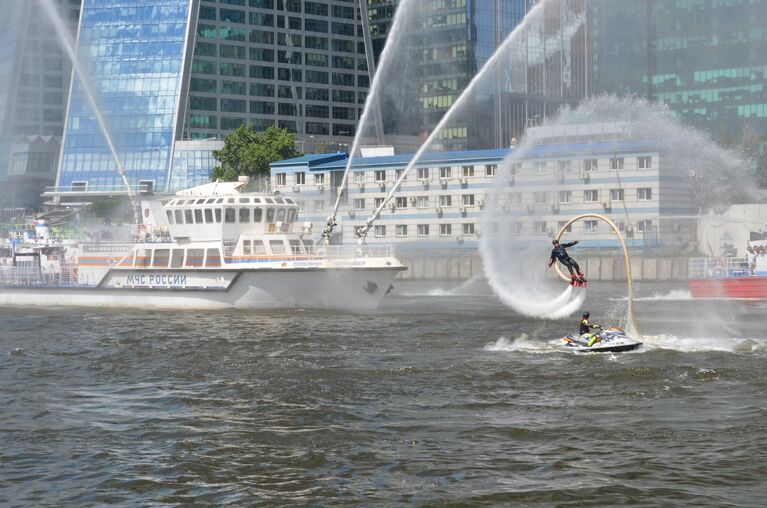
(440, 397)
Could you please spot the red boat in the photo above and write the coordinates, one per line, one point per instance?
(731, 278)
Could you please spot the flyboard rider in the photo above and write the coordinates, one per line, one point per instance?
(559, 252)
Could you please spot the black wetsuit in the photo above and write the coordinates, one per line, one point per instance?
(561, 254)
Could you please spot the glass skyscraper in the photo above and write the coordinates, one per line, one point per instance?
(135, 50)
(459, 36)
(34, 82)
(707, 61)
(172, 75)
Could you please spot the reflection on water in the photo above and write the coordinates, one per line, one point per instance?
(442, 397)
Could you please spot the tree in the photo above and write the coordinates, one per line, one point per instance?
(249, 153)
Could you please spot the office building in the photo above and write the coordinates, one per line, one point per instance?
(596, 168)
(34, 82)
(173, 76)
(457, 37)
(707, 61)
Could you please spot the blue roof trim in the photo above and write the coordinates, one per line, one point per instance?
(338, 161)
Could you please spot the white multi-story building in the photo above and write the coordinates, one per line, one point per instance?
(442, 200)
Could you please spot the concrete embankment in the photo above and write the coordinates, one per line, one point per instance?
(466, 266)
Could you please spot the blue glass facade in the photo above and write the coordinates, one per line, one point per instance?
(192, 163)
(136, 50)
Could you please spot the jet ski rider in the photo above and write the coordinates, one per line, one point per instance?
(585, 330)
(559, 252)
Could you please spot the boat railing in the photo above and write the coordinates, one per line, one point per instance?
(346, 251)
(718, 267)
(34, 276)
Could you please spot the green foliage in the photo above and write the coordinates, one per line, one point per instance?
(249, 153)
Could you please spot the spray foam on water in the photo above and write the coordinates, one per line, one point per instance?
(720, 177)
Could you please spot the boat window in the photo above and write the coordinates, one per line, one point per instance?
(218, 215)
(229, 215)
(258, 248)
(290, 201)
(211, 200)
(230, 200)
(244, 200)
(256, 215)
(277, 246)
(269, 201)
(177, 259)
(143, 258)
(194, 257)
(179, 216)
(208, 216)
(170, 216)
(219, 200)
(214, 258)
(295, 246)
(244, 214)
(246, 249)
(292, 216)
(161, 257)
(279, 201)
(198, 216)
(257, 200)
(200, 201)
(270, 215)
(280, 214)
(188, 217)
(180, 202)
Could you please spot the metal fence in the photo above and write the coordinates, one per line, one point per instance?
(718, 267)
(33, 276)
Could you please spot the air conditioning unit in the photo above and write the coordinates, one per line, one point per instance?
(607, 204)
(351, 213)
(443, 181)
(462, 209)
(530, 208)
(555, 208)
(550, 231)
(392, 206)
(413, 201)
(438, 210)
(361, 185)
(321, 187)
(584, 175)
(462, 180)
(481, 203)
(296, 188)
(382, 185)
(459, 238)
(478, 232)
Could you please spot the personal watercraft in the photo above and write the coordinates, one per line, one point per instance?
(611, 340)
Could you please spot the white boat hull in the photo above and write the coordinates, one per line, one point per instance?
(355, 289)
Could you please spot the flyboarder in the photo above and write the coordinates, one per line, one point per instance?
(559, 252)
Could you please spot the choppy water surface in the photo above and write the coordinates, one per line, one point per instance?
(440, 397)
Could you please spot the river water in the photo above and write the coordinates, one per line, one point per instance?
(442, 396)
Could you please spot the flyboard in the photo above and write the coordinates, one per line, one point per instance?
(612, 339)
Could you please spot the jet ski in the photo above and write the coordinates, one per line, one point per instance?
(611, 340)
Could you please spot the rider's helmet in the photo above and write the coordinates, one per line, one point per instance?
(586, 315)
(554, 241)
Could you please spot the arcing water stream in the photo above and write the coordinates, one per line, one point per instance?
(62, 32)
(403, 13)
(534, 16)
